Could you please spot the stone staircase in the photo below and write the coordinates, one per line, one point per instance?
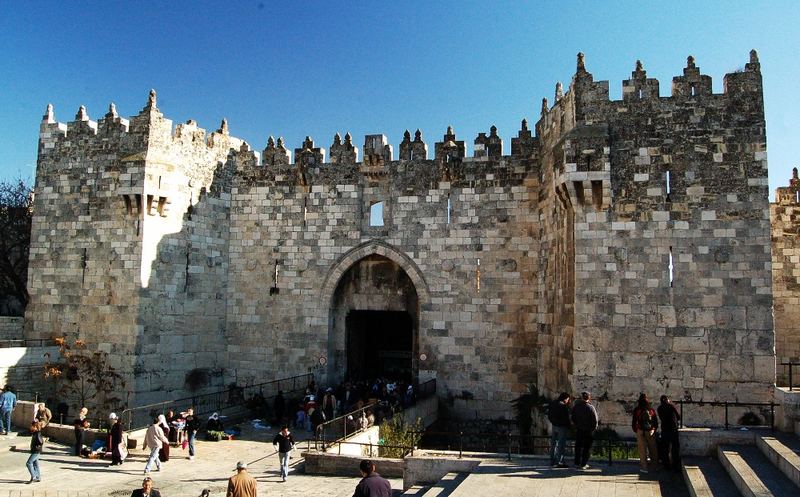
(771, 467)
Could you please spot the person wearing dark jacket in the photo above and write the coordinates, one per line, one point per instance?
(372, 484)
(558, 415)
(115, 440)
(670, 417)
(645, 424)
(37, 442)
(584, 417)
(80, 424)
(147, 489)
(283, 444)
(192, 426)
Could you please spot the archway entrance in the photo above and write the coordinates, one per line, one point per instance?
(379, 344)
(374, 322)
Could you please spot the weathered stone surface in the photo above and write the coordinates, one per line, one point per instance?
(621, 248)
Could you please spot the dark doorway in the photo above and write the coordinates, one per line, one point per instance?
(379, 344)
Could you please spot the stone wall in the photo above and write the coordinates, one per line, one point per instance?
(11, 328)
(785, 215)
(23, 368)
(622, 248)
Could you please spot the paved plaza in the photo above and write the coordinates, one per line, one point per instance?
(65, 475)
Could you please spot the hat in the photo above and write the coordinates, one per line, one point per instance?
(112, 416)
(241, 465)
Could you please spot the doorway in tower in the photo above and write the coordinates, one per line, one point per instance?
(379, 343)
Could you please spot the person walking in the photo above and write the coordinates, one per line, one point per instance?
(80, 424)
(37, 444)
(8, 401)
(147, 489)
(192, 425)
(372, 484)
(154, 438)
(584, 417)
(283, 444)
(670, 418)
(115, 440)
(645, 424)
(242, 484)
(558, 415)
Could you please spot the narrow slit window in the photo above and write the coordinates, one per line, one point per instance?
(669, 182)
(671, 268)
(305, 211)
(641, 94)
(376, 214)
(449, 209)
(797, 196)
(478, 276)
(694, 92)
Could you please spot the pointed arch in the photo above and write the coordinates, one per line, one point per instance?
(352, 256)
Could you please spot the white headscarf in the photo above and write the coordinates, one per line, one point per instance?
(162, 421)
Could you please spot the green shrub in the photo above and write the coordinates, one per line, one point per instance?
(397, 434)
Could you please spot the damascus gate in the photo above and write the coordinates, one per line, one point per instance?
(617, 244)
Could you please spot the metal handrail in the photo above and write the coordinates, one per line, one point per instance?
(212, 401)
(539, 444)
(407, 449)
(791, 365)
(727, 405)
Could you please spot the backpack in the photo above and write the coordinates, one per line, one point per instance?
(645, 422)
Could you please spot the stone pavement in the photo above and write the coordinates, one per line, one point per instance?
(533, 478)
(64, 475)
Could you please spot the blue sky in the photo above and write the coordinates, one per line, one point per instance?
(296, 68)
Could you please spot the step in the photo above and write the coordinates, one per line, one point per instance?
(705, 477)
(753, 473)
(783, 450)
(415, 491)
(446, 485)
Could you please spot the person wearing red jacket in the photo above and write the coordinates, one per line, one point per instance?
(645, 424)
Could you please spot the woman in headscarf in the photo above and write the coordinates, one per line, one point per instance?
(163, 453)
(214, 424)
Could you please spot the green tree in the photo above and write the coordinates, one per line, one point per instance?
(16, 200)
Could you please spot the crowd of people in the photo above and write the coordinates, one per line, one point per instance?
(582, 415)
(318, 405)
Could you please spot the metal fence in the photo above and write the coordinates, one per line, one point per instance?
(791, 365)
(204, 404)
(349, 423)
(732, 413)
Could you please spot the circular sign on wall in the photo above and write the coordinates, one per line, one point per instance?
(423, 357)
(323, 360)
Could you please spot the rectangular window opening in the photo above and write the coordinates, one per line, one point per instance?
(449, 208)
(671, 268)
(579, 194)
(376, 214)
(478, 276)
(669, 182)
(641, 94)
(305, 211)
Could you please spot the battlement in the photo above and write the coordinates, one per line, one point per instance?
(789, 195)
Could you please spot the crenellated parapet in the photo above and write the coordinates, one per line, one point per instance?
(488, 146)
(343, 152)
(413, 150)
(789, 195)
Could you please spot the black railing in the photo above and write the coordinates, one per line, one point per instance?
(506, 443)
(727, 406)
(791, 365)
(343, 426)
(204, 404)
(373, 449)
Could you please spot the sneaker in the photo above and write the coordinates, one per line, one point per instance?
(585, 466)
(146, 472)
(191, 458)
(643, 471)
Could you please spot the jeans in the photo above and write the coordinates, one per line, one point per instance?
(192, 434)
(283, 459)
(153, 458)
(33, 466)
(5, 420)
(583, 446)
(557, 442)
